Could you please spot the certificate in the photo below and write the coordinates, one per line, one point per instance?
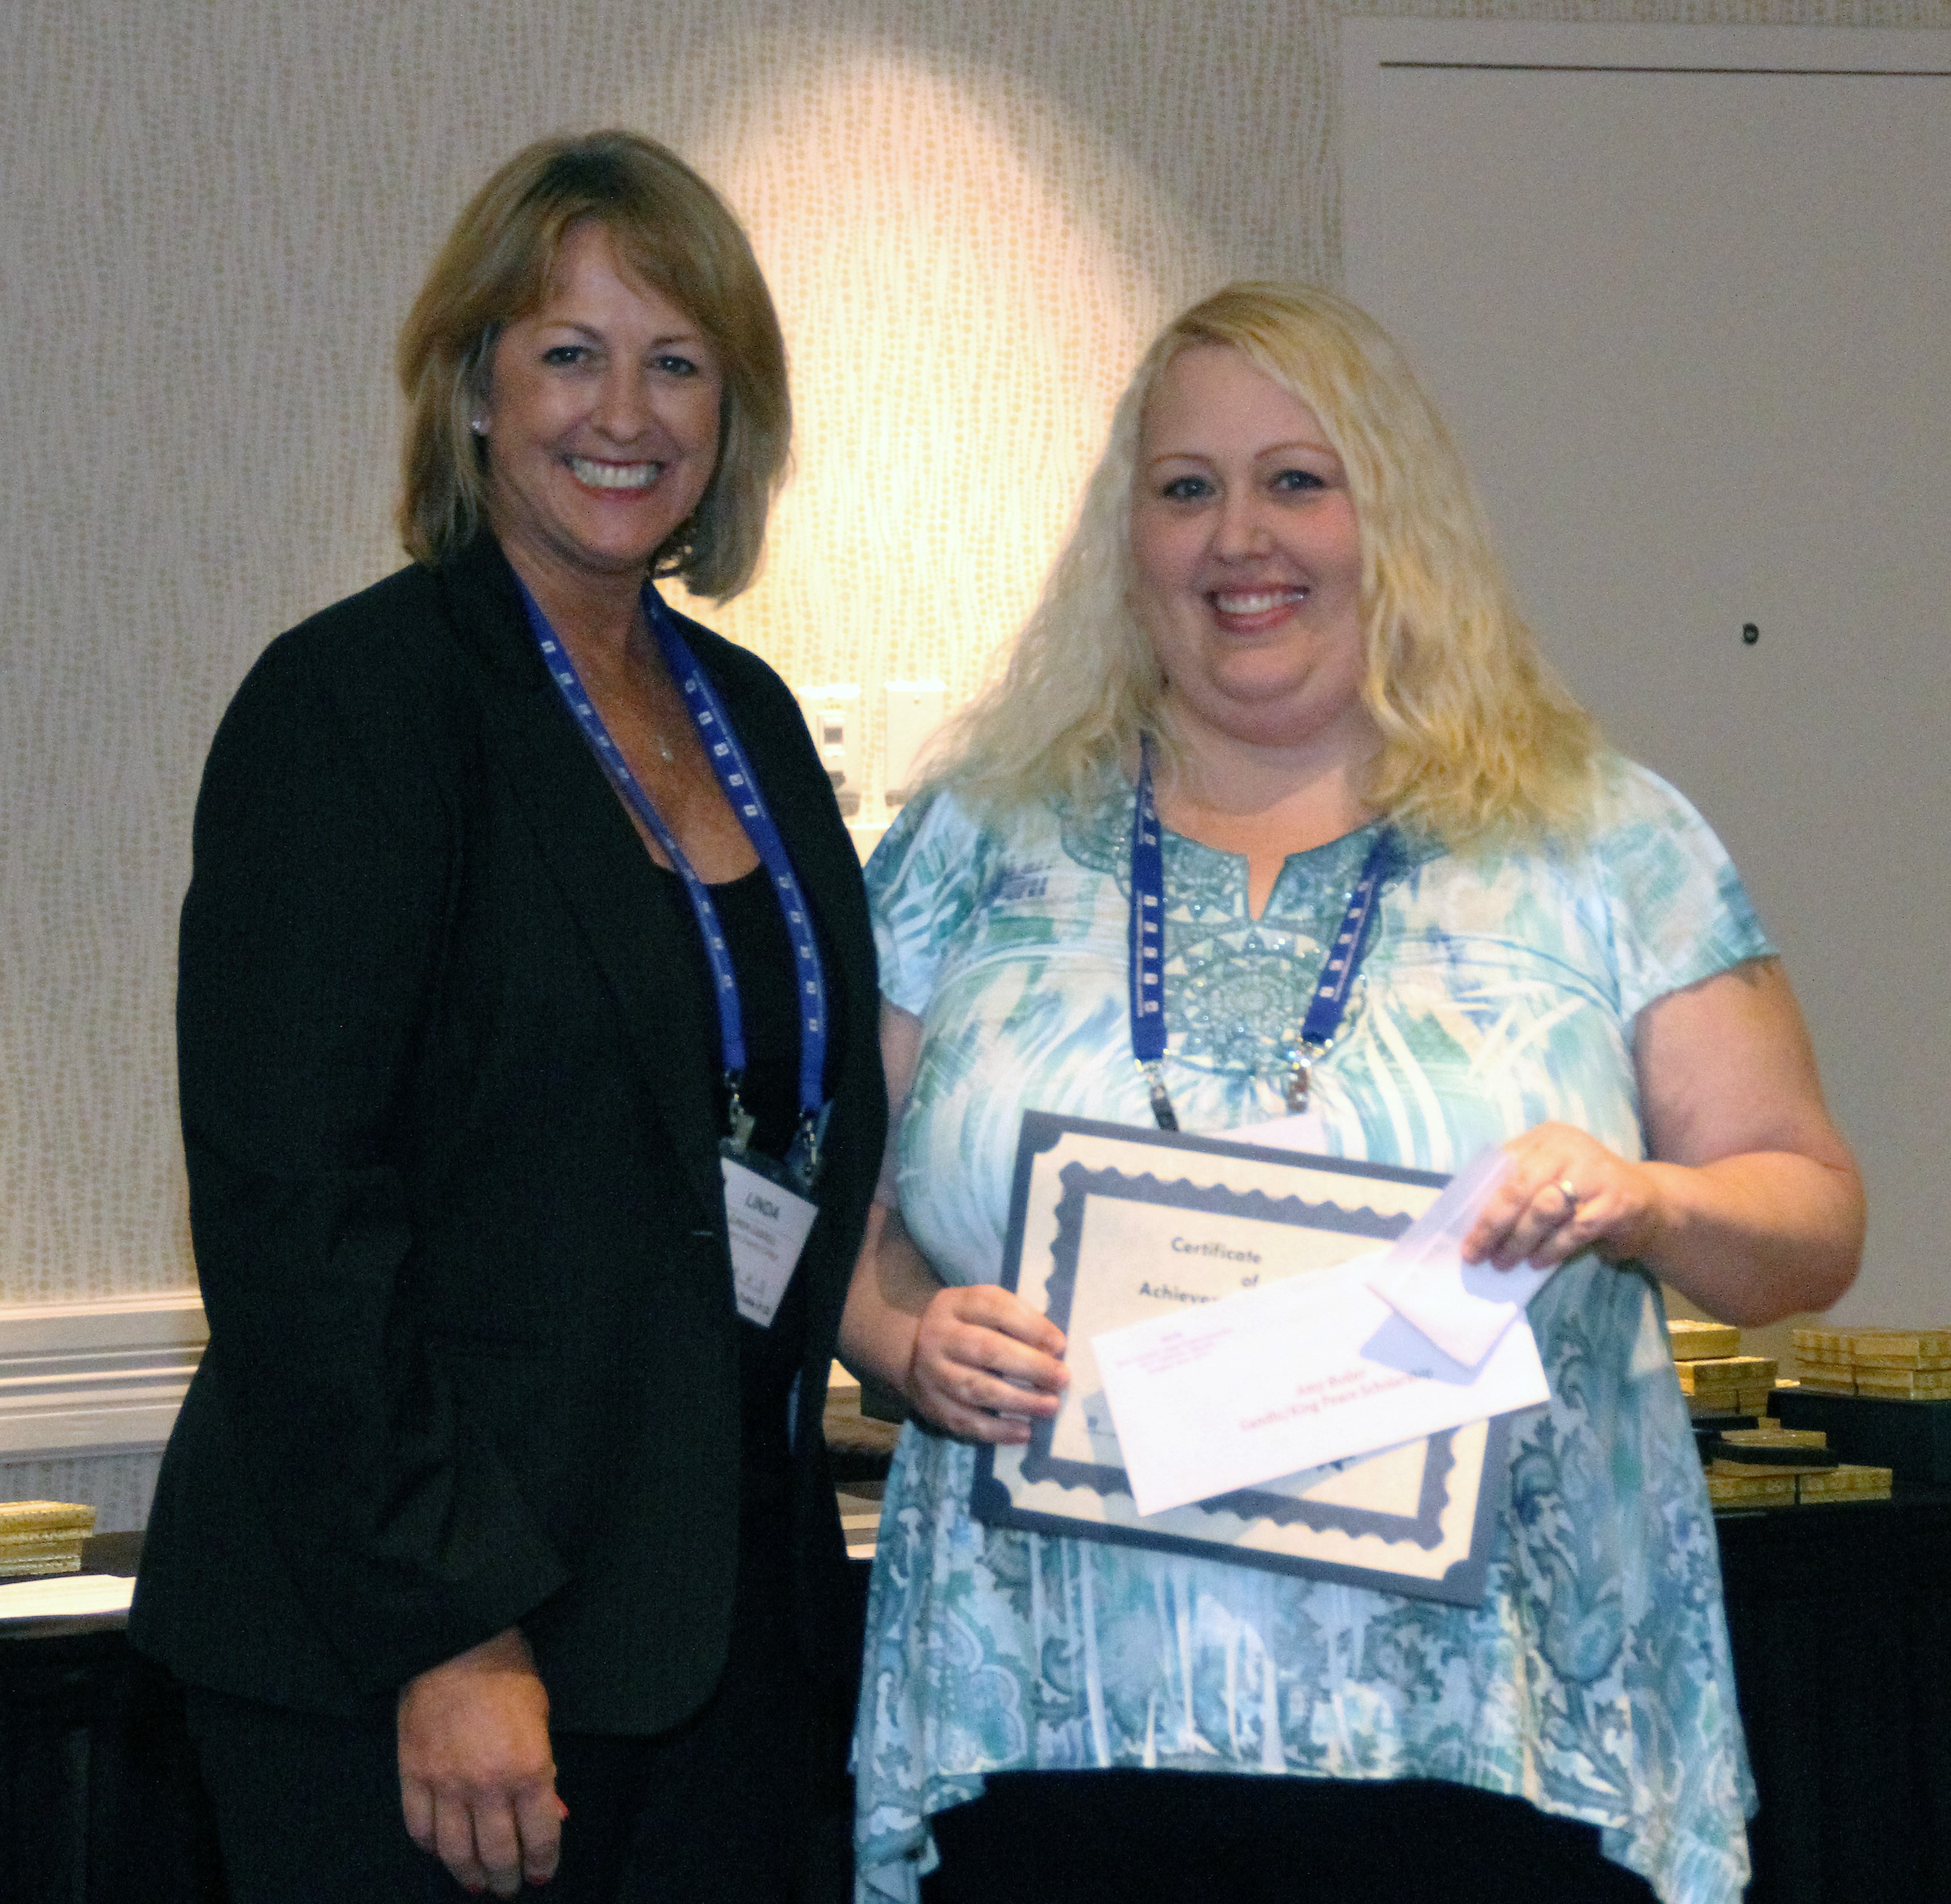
(1111, 1227)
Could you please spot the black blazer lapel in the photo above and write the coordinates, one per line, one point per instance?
(597, 862)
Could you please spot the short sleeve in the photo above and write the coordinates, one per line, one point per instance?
(922, 884)
(1679, 911)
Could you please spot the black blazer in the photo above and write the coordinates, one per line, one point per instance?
(447, 1071)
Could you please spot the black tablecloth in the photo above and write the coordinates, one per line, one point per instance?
(1839, 1616)
(99, 1800)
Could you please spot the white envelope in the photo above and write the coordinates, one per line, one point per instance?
(1383, 1349)
(1462, 1307)
(1272, 1381)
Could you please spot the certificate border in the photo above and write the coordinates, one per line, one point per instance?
(1462, 1582)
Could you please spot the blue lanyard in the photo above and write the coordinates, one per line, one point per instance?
(741, 788)
(1146, 945)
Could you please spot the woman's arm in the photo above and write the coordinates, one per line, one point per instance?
(1749, 1204)
(976, 1360)
(311, 940)
(477, 1777)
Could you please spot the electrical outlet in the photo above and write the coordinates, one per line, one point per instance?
(833, 718)
(914, 711)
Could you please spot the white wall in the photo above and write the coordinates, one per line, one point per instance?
(1684, 293)
(212, 215)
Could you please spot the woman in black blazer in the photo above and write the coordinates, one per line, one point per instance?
(491, 1504)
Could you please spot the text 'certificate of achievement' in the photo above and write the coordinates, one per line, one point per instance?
(1112, 1227)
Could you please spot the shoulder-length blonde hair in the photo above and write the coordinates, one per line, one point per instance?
(1478, 736)
(672, 231)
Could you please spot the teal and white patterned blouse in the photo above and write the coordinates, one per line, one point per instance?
(1499, 991)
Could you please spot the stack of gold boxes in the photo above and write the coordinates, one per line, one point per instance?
(42, 1536)
(1767, 1466)
(1714, 1376)
(1773, 1466)
(1898, 1364)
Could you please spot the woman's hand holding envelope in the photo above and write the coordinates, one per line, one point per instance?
(1749, 1201)
(1564, 1192)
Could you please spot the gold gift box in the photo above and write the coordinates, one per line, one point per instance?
(1731, 1484)
(1845, 1483)
(1907, 1364)
(1729, 1401)
(1900, 1349)
(1738, 1484)
(1771, 1446)
(1692, 1342)
(1908, 1384)
(1827, 1382)
(1729, 1385)
(1771, 1434)
(1727, 1372)
(39, 1537)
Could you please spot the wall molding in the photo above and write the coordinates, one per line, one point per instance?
(95, 1378)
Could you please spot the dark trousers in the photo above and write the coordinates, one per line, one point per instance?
(731, 1804)
(1188, 1837)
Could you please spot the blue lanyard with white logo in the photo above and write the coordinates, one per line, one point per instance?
(741, 788)
(1145, 946)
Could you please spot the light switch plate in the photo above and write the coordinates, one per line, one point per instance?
(832, 713)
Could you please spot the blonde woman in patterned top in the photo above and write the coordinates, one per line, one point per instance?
(1281, 577)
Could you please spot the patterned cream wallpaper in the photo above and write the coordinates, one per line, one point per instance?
(119, 1488)
(212, 215)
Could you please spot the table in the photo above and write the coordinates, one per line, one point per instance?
(99, 1799)
(1840, 1617)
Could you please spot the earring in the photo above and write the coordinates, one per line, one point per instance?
(480, 426)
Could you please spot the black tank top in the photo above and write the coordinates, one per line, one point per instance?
(762, 955)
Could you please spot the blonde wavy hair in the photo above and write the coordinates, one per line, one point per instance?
(1479, 737)
(675, 234)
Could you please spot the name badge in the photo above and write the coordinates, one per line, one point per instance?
(769, 1225)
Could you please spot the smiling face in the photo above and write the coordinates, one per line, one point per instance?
(1249, 561)
(602, 421)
